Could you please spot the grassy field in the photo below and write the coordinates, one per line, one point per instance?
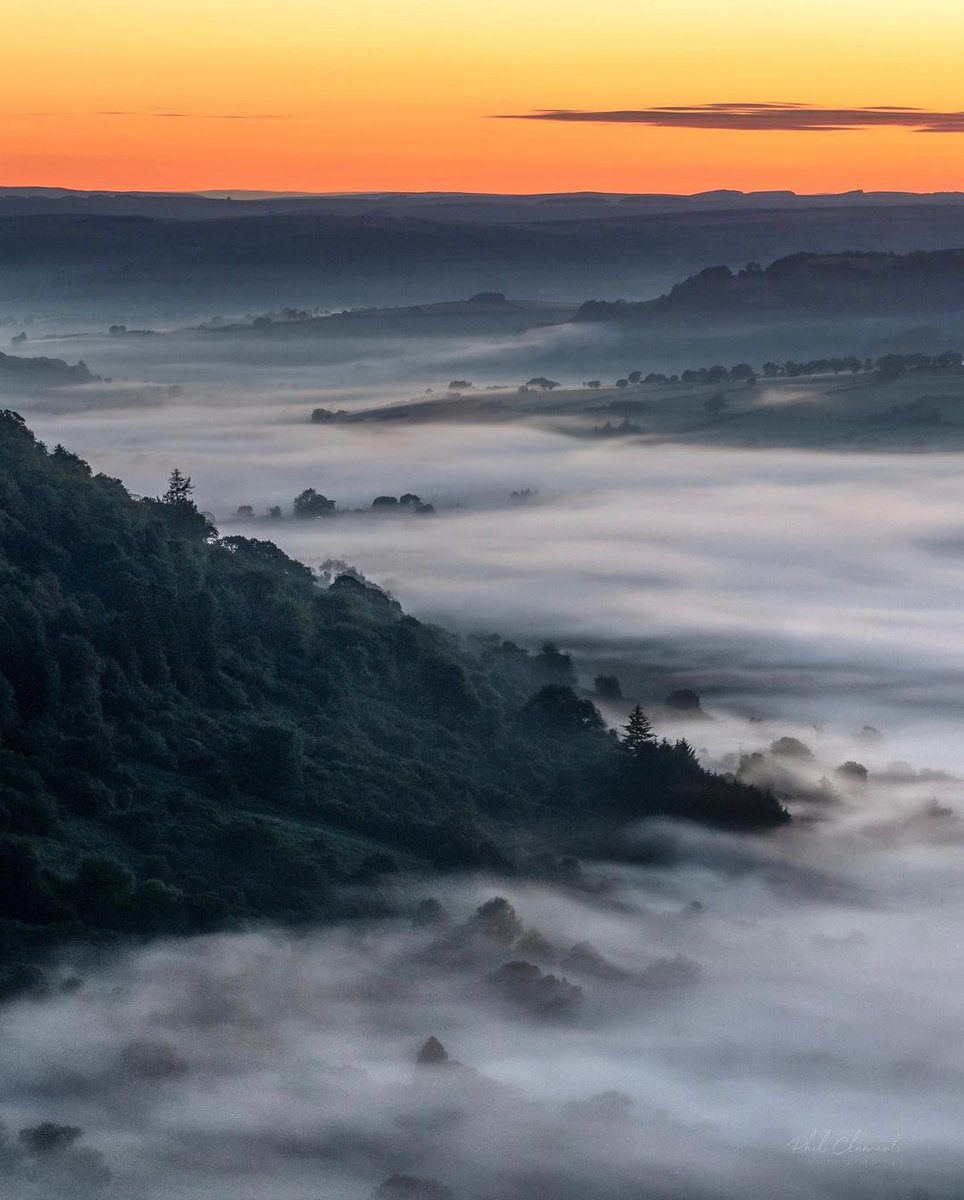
(915, 410)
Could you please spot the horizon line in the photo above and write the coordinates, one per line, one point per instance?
(249, 194)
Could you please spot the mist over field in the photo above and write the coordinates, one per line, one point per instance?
(752, 1018)
(756, 1017)
(699, 1014)
(763, 576)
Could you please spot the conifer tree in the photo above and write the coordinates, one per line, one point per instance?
(179, 489)
(638, 735)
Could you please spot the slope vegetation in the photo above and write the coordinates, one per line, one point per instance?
(194, 733)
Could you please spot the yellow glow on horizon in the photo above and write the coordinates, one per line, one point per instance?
(400, 94)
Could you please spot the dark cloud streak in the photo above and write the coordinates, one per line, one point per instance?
(768, 117)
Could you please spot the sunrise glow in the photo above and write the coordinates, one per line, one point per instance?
(404, 94)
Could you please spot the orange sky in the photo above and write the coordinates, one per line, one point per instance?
(323, 95)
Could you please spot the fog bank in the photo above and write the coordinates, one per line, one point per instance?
(750, 1017)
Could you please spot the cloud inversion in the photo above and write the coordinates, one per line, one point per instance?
(767, 117)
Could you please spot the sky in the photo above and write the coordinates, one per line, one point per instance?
(438, 95)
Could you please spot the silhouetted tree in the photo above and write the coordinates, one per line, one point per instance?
(638, 735)
(498, 920)
(179, 489)
(684, 700)
(790, 747)
(310, 503)
(432, 1053)
(854, 771)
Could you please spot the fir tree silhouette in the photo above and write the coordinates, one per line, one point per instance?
(638, 735)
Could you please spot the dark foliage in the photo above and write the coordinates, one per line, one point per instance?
(194, 732)
(853, 283)
(684, 700)
(42, 372)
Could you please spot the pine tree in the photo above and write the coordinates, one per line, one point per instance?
(639, 735)
(179, 489)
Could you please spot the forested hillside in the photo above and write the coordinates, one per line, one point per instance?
(20, 372)
(196, 733)
(852, 284)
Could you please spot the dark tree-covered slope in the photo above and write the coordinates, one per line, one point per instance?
(19, 372)
(855, 284)
(193, 732)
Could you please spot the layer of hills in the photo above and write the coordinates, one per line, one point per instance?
(131, 266)
(194, 733)
(482, 314)
(21, 372)
(456, 206)
(854, 284)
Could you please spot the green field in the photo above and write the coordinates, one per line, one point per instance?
(915, 410)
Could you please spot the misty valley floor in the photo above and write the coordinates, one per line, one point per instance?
(740, 1000)
(716, 1015)
(763, 578)
(760, 1018)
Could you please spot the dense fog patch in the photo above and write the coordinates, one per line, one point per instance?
(755, 1017)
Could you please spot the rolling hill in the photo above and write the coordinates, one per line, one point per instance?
(811, 286)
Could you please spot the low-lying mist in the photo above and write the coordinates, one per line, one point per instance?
(736, 1017)
(752, 1018)
(781, 582)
